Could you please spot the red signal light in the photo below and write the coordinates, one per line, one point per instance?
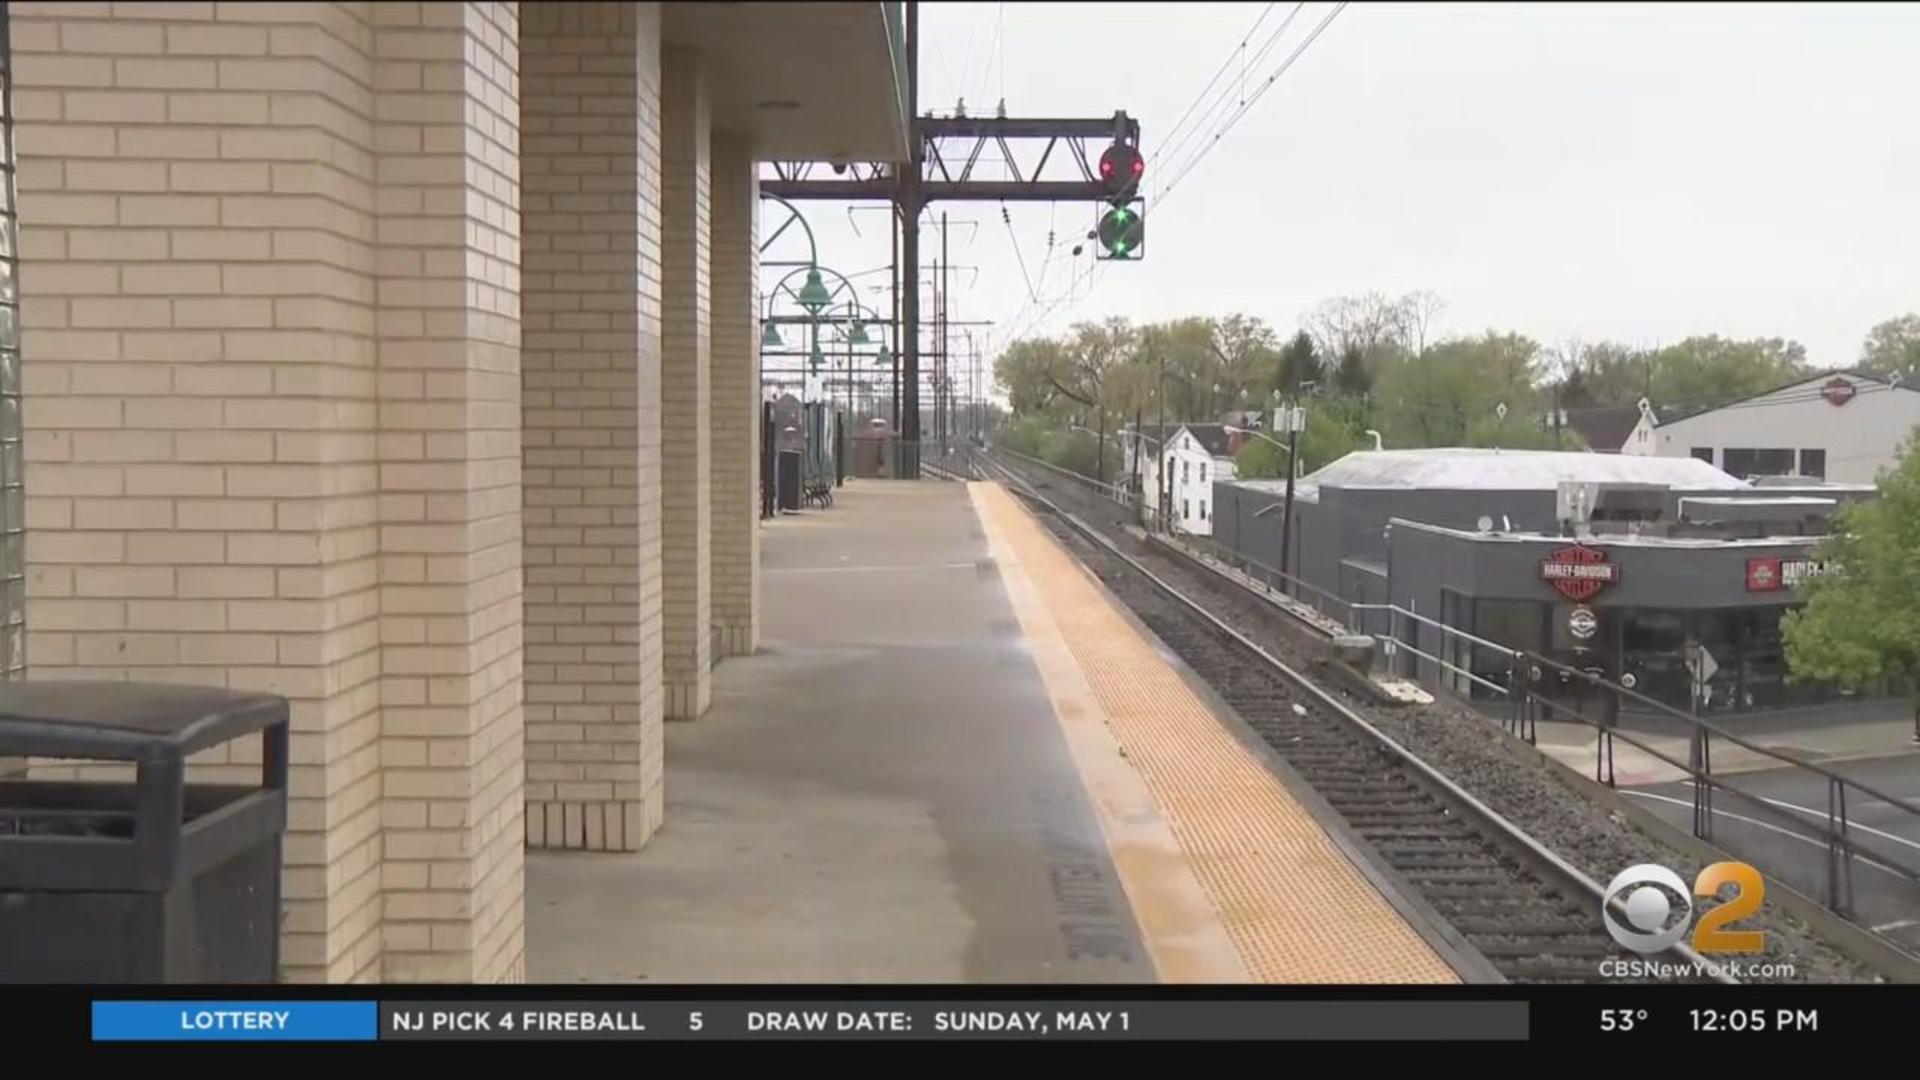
(1120, 170)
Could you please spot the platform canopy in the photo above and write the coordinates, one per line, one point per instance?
(822, 81)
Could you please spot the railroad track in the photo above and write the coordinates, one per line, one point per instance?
(1532, 916)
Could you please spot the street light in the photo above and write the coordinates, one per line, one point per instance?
(1261, 435)
(813, 295)
(770, 337)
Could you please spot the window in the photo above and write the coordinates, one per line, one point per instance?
(1641, 434)
(1704, 453)
(1185, 510)
(1183, 470)
(1203, 510)
(1203, 472)
(1745, 463)
(1813, 463)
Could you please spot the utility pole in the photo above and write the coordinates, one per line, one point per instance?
(1286, 512)
(1557, 444)
(944, 400)
(899, 339)
(907, 197)
(1100, 466)
(1161, 495)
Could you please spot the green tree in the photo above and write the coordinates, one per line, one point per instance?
(1246, 356)
(1259, 459)
(1451, 395)
(1352, 376)
(1024, 372)
(1702, 372)
(1298, 363)
(1336, 427)
(1861, 620)
(1892, 346)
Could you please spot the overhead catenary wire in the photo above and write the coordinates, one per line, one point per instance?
(1181, 150)
(1253, 100)
(1240, 51)
(1017, 254)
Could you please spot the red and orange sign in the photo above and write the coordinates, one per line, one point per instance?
(1578, 572)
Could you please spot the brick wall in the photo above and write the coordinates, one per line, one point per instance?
(198, 220)
(273, 425)
(591, 328)
(736, 398)
(686, 356)
(449, 294)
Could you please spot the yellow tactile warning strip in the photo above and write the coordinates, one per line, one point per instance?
(1293, 906)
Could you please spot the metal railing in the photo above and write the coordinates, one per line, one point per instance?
(1396, 644)
(1845, 841)
(1277, 582)
(1118, 493)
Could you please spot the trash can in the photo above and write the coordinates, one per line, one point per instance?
(788, 482)
(147, 881)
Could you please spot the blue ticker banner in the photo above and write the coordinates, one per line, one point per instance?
(236, 1021)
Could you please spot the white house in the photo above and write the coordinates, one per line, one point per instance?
(1641, 441)
(1199, 455)
(1842, 426)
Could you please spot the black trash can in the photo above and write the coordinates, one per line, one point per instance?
(788, 482)
(148, 881)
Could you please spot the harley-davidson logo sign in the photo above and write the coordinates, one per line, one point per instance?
(1773, 574)
(1837, 391)
(1578, 573)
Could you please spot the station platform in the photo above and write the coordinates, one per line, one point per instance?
(954, 760)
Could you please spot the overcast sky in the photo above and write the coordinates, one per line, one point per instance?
(1612, 171)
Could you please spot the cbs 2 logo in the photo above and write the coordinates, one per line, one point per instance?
(1647, 909)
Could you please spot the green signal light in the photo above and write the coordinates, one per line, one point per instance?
(1120, 232)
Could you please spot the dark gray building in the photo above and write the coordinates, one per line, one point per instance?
(1632, 564)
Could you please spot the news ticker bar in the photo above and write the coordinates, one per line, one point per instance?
(370, 1021)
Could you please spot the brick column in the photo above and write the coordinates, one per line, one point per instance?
(591, 170)
(198, 221)
(452, 734)
(686, 354)
(736, 398)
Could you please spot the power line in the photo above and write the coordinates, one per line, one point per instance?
(1015, 241)
(1172, 150)
(1264, 87)
(1240, 50)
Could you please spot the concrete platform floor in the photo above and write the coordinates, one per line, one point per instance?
(881, 794)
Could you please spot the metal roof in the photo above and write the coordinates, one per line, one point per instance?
(1477, 469)
(1642, 540)
(1874, 383)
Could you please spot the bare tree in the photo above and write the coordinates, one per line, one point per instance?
(1419, 311)
(1367, 321)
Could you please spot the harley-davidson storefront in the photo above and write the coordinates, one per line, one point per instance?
(1685, 621)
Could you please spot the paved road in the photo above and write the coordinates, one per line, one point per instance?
(1887, 836)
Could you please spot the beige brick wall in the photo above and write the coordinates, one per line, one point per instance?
(449, 294)
(590, 326)
(736, 398)
(685, 372)
(198, 218)
(272, 327)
